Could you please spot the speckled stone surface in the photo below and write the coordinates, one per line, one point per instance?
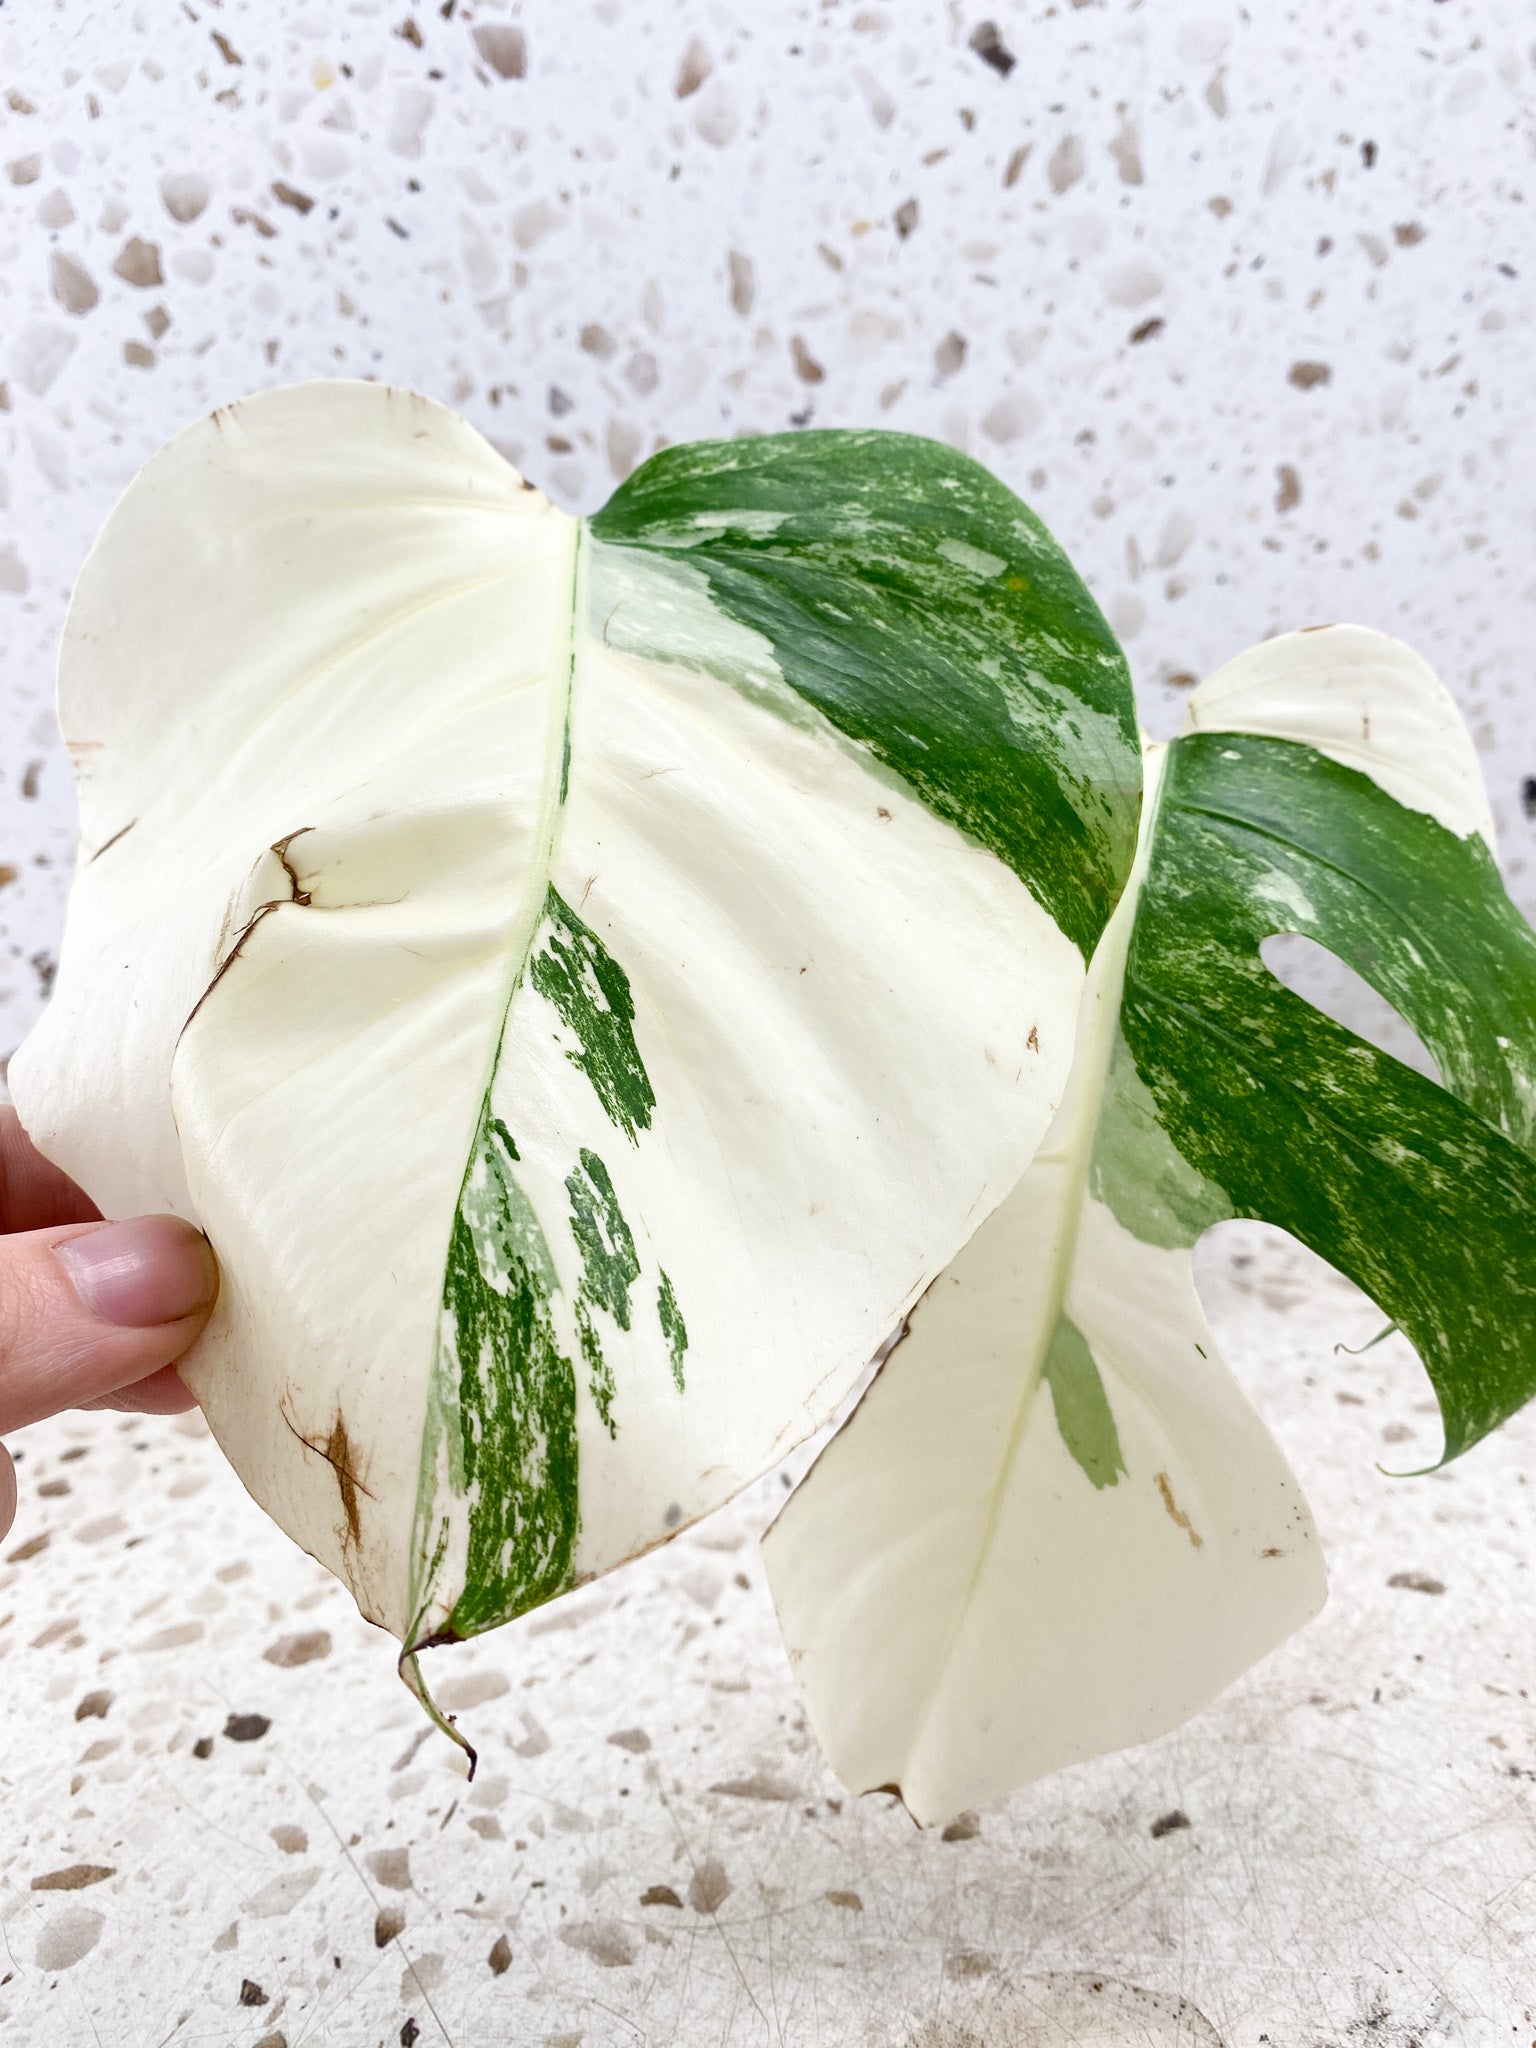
(211, 1780)
(1241, 300)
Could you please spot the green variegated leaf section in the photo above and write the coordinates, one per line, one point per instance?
(912, 602)
(587, 978)
(978, 1584)
(1424, 1196)
(509, 1438)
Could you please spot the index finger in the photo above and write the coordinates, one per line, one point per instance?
(34, 1193)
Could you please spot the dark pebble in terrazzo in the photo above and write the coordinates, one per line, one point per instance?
(246, 1727)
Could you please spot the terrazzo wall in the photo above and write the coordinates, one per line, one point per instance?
(1240, 298)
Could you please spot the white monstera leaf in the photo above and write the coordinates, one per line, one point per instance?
(1055, 1526)
(586, 977)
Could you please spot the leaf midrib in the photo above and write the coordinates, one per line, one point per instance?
(1076, 1155)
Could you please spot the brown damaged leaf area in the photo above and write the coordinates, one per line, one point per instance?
(1175, 1513)
(297, 895)
(336, 1449)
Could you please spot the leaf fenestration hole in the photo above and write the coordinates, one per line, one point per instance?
(1329, 984)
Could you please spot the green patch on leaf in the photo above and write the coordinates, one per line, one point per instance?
(601, 1383)
(1083, 1413)
(575, 972)
(928, 616)
(610, 1267)
(673, 1328)
(1150, 1188)
(511, 1411)
(1424, 1196)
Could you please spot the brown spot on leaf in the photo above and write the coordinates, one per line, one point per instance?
(1175, 1513)
(93, 1707)
(296, 895)
(225, 48)
(849, 1901)
(251, 1993)
(388, 1922)
(1288, 495)
(905, 218)
(500, 1957)
(1416, 1582)
(1148, 329)
(290, 195)
(635, 1740)
(660, 1895)
(1307, 376)
(1169, 1823)
(33, 1547)
(336, 1450)
(338, 1455)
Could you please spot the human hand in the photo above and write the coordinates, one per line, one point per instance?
(92, 1314)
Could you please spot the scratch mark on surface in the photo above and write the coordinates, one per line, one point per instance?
(107, 844)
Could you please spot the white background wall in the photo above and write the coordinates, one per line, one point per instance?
(686, 220)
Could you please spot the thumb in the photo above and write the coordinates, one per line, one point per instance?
(87, 1309)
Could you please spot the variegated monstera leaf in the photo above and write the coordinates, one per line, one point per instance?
(587, 977)
(1055, 1526)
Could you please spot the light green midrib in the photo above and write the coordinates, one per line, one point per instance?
(530, 912)
(1077, 1155)
(519, 944)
